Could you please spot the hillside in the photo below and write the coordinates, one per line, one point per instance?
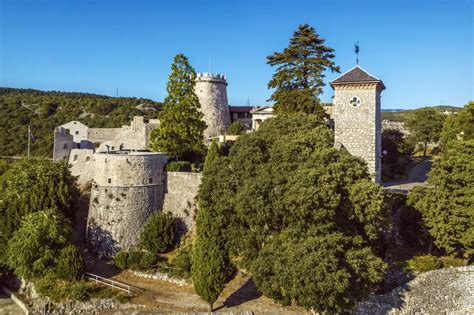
(403, 115)
(45, 110)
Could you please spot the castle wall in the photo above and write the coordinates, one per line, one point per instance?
(358, 128)
(63, 143)
(82, 163)
(127, 189)
(180, 197)
(212, 93)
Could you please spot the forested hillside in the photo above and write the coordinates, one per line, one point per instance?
(45, 110)
(404, 115)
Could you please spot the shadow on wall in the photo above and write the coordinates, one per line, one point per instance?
(100, 242)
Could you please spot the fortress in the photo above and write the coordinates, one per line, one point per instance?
(128, 182)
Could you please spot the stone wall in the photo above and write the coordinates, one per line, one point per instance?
(127, 189)
(358, 128)
(180, 197)
(211, 90)
(82, 162)
(440, 291)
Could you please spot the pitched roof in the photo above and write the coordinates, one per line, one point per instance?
(356, 75)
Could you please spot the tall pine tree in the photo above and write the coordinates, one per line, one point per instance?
(180, 133)
(298, 80)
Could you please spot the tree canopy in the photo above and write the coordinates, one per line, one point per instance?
(32, 185)
(425, 126)
(159, 233)
(181, 130)
(282, 192)
(299, 76)
(447, 203)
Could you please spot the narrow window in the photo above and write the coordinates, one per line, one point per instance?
(76, 132)
(75, 158)
(150, 180)
(88, 158)
(109, 180)
(65, 146)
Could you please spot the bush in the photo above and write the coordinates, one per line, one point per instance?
(79, 291)
(134, 260)
(120, 259)
(449, 261)
(159, 232)
(236, 128)
(147, 261)
(69, 264)
(183, 262)
(424, 263)
(178, 166)
(409, 226)
(50, 286)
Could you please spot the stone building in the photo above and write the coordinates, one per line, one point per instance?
(357, 125)
(211, 89)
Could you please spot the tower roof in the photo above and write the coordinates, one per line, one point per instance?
(356, 75)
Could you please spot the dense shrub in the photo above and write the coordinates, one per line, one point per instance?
(50, 286)
(449, 261)
(159, 232)
(178, 166)
(69, 264)
(410, 226)
(147, 261)
(424, 263)
(120, 259)
(183, 262)
(134, 260)
(79, 291)
(235, 128)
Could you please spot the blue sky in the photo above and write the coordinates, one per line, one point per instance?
(422, 50)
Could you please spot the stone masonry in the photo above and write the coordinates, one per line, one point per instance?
(357, 125)
(127, 188)
(211, 90)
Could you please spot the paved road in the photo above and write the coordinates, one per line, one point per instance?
(418, 177)
(7, 306)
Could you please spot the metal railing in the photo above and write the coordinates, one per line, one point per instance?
(109, 282)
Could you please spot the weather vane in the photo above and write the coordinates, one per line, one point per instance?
(356, 50)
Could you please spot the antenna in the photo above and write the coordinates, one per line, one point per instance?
(248, 101)
(356, 50)
(116, 93)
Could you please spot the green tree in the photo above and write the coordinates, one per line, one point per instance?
(286, 184)
(69, 264)
(235, 128)
(425, 126)
(210, 261)
(298, 79)
(32, 185)
(447, 204)
(458, 127)
(212, 154)
(33, 249)
(159, 232)
(181, 130)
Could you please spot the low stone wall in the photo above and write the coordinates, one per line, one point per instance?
(161, 276)
(93, 306)
(180, 197)
(449, 290)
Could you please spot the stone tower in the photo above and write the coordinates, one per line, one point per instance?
(357, 125)
(127, 188)
(211, 90)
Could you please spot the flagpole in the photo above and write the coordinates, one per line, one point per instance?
(29, 134)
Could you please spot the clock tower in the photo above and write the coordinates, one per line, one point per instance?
(357, 125)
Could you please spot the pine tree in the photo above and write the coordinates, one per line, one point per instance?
(211, 265)
(298, 79)
(212, 153)
(181, 130)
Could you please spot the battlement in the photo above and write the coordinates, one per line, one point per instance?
(211, 75)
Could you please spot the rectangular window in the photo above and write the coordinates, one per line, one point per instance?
(76, 132)
(150, 180)
(65, 146)
(109, 180)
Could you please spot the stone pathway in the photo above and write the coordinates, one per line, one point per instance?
(7, 306)
(418, 177)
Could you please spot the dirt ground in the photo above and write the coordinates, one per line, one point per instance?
(239, 295)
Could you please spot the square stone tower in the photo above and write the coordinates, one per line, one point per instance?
(357, 125)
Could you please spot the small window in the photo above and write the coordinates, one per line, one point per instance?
(109, 180)
(88, 158)
(76, 132)
(65, 146)
(75, 158)
(355, 101)
(68, 131)
(150, 180)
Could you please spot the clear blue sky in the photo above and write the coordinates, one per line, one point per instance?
(422, 50)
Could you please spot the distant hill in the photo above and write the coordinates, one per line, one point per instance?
(403, 115)
(46, 110)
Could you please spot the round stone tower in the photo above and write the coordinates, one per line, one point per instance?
(211, 90)
(127, 188)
